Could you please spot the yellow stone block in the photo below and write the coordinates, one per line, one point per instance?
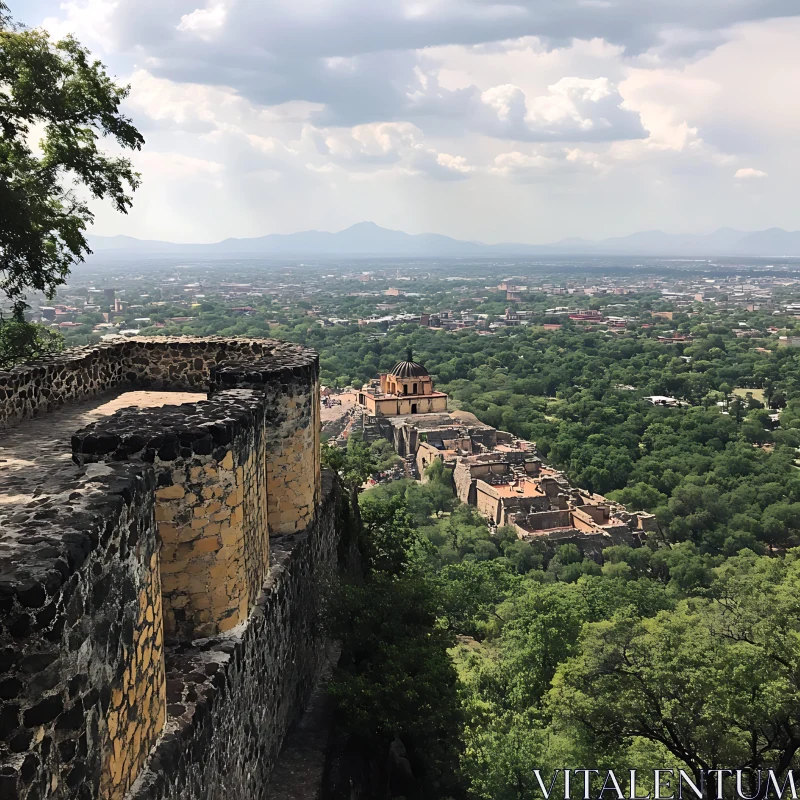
(166, 530)
(174, 492)
(227, 624)
(208, 544)
(231, 537)
(217, 571)
(189, 534)
(227, 462)
(164, 513)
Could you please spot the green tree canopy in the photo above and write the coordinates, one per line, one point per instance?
(44, 192)
(714, 681)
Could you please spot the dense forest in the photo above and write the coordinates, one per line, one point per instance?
(479, 657)
(719, 472)
(679, 654)
(483, 657)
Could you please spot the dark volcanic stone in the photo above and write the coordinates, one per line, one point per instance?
(45, 711)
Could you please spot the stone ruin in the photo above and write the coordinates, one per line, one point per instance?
(162, 568)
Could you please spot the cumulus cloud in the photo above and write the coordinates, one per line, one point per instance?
(540, 165)
(204, 21)
(574, 109)
(369, 150)
(746, 173)
(361, 72)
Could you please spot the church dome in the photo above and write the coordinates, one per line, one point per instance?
(409, 369)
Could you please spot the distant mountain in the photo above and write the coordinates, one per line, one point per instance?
(369, 239)
(774, 241)
(364, 238)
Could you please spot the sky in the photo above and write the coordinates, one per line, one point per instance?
(488, 120)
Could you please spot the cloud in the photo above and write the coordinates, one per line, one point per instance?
(359, 58)
(466, 116)
(177, 165)
(204, 21)
(384, 149)
(538, 165)
(574, 109)
(746, 173)
(94, 20)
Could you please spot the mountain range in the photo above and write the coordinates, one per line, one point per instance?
(369, 239)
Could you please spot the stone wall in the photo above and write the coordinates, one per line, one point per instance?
(545, 520)
(138, 362)
(293, 436)
(82, 696)
(211, 502)
(464, 483)
(154, 640)
(232, 697)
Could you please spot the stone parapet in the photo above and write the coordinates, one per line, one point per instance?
(82, 696)
(155, 539)
(137, 362)
(210, 501)
(291, 393)
(233, 697)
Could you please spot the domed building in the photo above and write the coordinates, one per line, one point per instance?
(406, 389)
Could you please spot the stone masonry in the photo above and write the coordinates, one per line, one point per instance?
(155, 640)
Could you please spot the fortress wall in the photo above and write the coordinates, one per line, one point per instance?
(31, 389)
(82, 696)
(176, 363)
(211, 502)
(291, 396)
(158, 535)
(232, 697)
(186, 362)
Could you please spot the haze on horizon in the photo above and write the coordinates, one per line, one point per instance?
(526, 121)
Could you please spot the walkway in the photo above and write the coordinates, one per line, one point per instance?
(37, 453)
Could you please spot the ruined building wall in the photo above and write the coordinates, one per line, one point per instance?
(155, 641)
(464, 483)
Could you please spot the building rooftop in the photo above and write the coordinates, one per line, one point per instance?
(409, 369)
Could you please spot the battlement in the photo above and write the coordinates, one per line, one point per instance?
(143, 481)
